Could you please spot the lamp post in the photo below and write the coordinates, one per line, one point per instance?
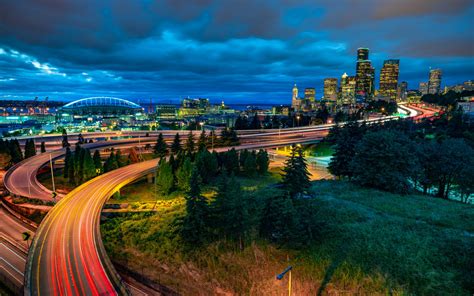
(298, 120)
(281, 275)
(201, 124)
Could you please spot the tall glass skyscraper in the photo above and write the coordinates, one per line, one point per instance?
(389, 79)
(330, 89)
(365, 74)
(434, 84)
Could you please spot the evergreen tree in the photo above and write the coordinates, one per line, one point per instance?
(67, 162)
(241, 123)
(230, 211)
(263, 162)
(71, 169)
(43, 147)
(194, 227)
(295, 174)
(233, 137)
(80, 139)
(385, 160)
(231, 162)
(15, 150)
(206, 164)
(89, 166)
(65, 142)
(280, 221)
(255, 124)
(30, 148)
(110, 163)
(164, 178)
(212, 140)
(119, 158)
(183, 175)
(250, 164)
(202, 141)
(189, 146)
(176, 146)
(160, 148)
(97, 162)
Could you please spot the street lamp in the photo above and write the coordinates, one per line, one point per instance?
(281, 275)
(201, 124)
(298, 120)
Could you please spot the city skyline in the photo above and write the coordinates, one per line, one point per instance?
(140, 50)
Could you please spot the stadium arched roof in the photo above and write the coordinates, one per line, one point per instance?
(101, 101)
(102, 106)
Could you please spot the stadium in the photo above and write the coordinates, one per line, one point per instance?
(100, 109)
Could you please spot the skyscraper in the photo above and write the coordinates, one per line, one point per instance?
(434, 84)
(402, 91)
(309, 94)
(348, 83)
(295, 101)
(330, 89)
(389, 79)
(365, 74)
(423, 88)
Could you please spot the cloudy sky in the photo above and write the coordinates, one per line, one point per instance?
(237, 50)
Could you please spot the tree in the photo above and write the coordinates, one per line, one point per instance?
(212, 140)
(346, 139)
(15, 150)
(230, 211)
(176, 145)
(263, 162)
(97, 162)
(164, 177)
(231, 161)
(30, 148)
(67, 162)
(133, 156)
(241, 123)
(71, 168)
(119, 158)
(194, 227)
(189, 145)
(250, 164)
(295, 174)
(183, 175)
(451, 159)
(80, 139)
(206, 164)
(160, 148)
(65, 142)
(280, 220)
(89, 166)
(255, 124)
(385, 160)
(43, 147)
(110, 163)
(202, 141)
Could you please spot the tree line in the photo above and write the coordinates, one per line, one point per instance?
(238, 216)
(434, 156)
(11, 153)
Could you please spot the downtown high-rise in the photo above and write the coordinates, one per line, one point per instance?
(389, 79)
(434, 84)
(365, 74)
(330, 89)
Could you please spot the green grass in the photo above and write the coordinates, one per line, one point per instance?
(321, 149)
(371, 242)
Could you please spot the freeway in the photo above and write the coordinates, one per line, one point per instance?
(67, 255)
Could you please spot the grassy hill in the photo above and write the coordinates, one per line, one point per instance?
(371, 242)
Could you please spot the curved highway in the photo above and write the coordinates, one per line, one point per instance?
(67, 255)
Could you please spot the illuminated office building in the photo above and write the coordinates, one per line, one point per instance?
(423, 88)
(402, 91)
(295, 101)
(389, 79)
(434, 84)
(365, 74)
(347, 93)
(309, 94)
(330, 89)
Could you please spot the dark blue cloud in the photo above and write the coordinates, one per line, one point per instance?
(238, 50)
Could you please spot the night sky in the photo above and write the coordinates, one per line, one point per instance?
(241, 51)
